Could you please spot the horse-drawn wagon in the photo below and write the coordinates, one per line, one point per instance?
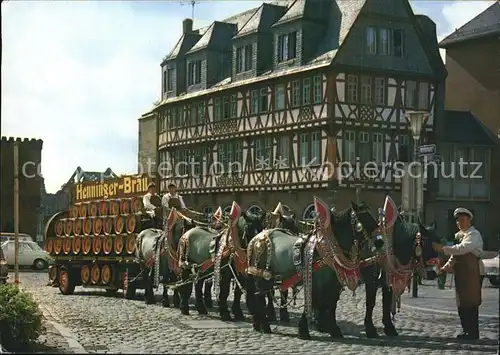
(93, 242)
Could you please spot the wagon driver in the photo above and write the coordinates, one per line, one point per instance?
(151, 202)
(173, 199)
(464, 262)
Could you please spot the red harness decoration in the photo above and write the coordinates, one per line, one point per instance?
(285, 285)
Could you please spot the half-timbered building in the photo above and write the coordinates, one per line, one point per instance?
(267, 105)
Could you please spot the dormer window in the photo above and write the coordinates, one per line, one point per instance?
(244, 58)
(194, 72)
(287, 46)
(384, 41)
(170, 79)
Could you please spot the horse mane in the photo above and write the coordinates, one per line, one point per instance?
(342, 228)
(403, 239)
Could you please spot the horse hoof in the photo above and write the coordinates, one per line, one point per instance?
(225, 317)
(266, 330)
(209, 304)
(185, 312)
(305, 336)
(256, 327)
(391, 332)
(166, 305)
(371, 334)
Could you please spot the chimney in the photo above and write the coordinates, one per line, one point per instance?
(187, 26)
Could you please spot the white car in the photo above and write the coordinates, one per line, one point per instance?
(30, 254)
(491, 269)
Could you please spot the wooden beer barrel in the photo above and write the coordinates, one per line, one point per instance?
(95, 274)
(118, 244)
(107, 245)
(133, 223)
(106, 275)
(66, 245)
(85, 274)
(124, 206)
(97, 225)
(77, 226)
(68, 227)
(77, 245)
(87, 226)
(86, 245)
(103, 208)
(96, 245)
(59, 228)
(57, 246)
(74, 211)
(119, 223)
(93, 208)
(130, 244)
(47, 245)
(107, 227)
(114, 207)
(82, 210)
(135, 205)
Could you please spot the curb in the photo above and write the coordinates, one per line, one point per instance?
(453, 313)
(70, 338)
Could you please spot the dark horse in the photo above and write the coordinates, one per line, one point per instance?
(196, 251)
(278, 254)
(411, 244)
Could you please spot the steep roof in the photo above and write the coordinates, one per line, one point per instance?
(262, 19)
(305, 9)
(215, 37)
(184, 44)
(485, 24)
(463, 127)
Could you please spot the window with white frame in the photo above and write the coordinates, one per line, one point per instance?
(194, 72)
(371, 40)
(259, 153)
(279, 97)
(349, 147)
(303, 149)
(284, 152)
(364, 147)
(315, 148)
(423, 96)
(306, 91)
(295, 93)
(411, 97)
(352, 88)
(317, 89)
(378, 148)
(264, 99)
(229, 155)
(226, 107)
(268, 151)
(380, 89)
(366, 90)
(234, 106)
(287, 46)
(217, 110)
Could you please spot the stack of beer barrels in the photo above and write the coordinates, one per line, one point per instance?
(100, 228)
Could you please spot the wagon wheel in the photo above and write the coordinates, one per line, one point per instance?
(119, 224)
(68, 227)
(93, 207)
(106, 274)
(85, 274)
(77, 226)
(74, 211)
(131, 224)
(82, 210)
(103, 208)
(87, 226)
(130, 244)
(66, 245)
(95, 274)
(118, 244)
(57, 246)
(77, 245)
(86, 245)
(107, 245)
(97, 245)
(114, 207)
(97, 226)
(125, 206)
(108, 225)
(59, 228)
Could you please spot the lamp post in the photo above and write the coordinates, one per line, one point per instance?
(416, 121)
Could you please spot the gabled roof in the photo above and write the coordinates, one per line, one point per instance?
(262, 19)
(463, 127)
(485, 24)
(215, 37)
(307, 10)
(183, 45)
(82, 176)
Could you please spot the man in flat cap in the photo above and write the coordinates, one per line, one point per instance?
(151, 202)
(464, 261)
(172, 199)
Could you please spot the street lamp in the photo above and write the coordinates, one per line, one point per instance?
(416, 121)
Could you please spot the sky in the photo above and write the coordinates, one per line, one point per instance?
(79, 74)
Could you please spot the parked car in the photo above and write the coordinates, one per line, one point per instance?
(491, 269)
(4, 269)
(30, 254)
(5, 236)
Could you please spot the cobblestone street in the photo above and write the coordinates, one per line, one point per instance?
(92, 322)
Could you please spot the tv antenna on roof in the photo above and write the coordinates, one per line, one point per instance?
(192, 3)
